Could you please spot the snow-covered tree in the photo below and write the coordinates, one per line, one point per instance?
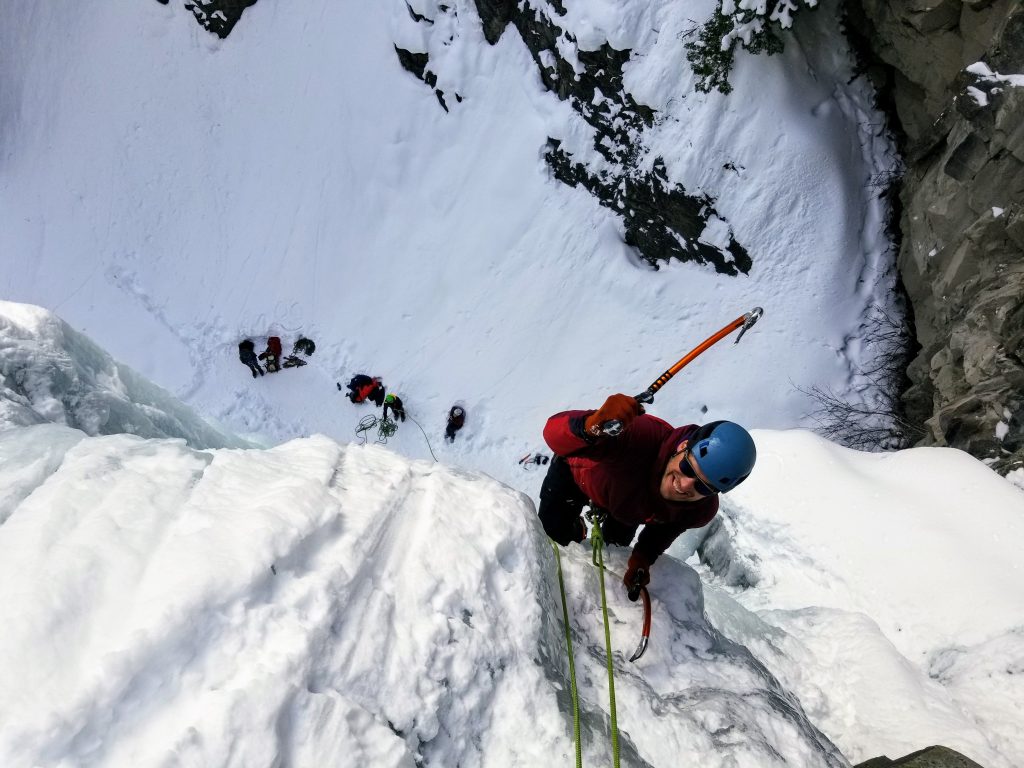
(749, 22)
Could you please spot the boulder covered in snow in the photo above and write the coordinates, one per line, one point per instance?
(51, 373)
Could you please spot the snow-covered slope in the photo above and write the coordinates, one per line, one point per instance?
(170, 193)
(165, 605)
(51, 373)
(314, 603)
(893, 576)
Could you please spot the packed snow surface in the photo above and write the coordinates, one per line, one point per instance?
(170, 606)
(169, 601)
(170, 193)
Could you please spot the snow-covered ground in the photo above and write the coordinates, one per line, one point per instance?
(175, 603)
(165, 605)
(170, 193)
(315, 602)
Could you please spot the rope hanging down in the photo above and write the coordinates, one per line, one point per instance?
(424, 437)
(598, 542)
(572, 662)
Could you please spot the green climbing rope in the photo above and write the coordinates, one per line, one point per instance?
(386, 428)
(572, 663)
(598, 542)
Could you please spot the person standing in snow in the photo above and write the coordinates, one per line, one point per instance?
(651, 474)
(272, 354)
(247, 354)
(456, 419)
(394, 402)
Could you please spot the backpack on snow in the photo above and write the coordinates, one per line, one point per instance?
(305, 346)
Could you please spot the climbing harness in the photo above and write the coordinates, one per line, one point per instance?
(744, 322)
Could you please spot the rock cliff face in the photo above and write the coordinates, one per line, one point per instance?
(932, 757)
(962, 251)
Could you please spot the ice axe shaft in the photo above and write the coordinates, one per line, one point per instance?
(744, 322)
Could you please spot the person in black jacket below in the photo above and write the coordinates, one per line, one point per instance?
(247, 354)
(456, 418)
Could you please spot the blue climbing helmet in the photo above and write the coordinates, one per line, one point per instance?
(724, 452)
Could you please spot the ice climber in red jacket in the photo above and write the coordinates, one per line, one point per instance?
(651, 474)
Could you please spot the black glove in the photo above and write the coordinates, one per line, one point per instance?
(638, 574)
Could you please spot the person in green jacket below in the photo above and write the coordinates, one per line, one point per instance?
(394, 402)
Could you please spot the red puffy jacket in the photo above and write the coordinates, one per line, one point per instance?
(623, 476)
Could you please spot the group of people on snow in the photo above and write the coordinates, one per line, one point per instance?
(273, 354)
(362, 388)
(649, 473)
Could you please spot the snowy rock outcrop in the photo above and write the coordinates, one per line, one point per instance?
(51, 373)
(660, 218)
(932, 757)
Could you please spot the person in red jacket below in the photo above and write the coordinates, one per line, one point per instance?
(651, 474)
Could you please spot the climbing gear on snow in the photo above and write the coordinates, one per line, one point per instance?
(291, 361)
(597, 518)
(365, 424)
(385, 428)
(744, 322)
(531, 461)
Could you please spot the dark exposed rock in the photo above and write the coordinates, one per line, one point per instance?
(417, 64)
(962, 252)
(218, 16)
(495, 15)
(660, 219)
(655, 213)
(932, 757)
